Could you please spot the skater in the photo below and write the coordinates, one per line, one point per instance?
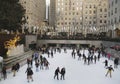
(37, 65)
(29, 74)
(63, 73)
(116, 62)
(14, 69)
(95, 58)
(52, 53)
(4, 73)
(17, 66)
(106, 63)
(110, 69)
(79, 56)
(48, 53)
(56, 73)
(47, 64)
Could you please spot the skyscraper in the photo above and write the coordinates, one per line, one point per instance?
(79, 15)
(35, 13)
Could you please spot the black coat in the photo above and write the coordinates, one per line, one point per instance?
(29, 71)
(62, 71)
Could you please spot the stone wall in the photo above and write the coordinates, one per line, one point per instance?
(92, 42)
(30, 39)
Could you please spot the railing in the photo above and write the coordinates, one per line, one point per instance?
(45, 37)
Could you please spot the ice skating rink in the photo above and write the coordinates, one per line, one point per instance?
(76, 72)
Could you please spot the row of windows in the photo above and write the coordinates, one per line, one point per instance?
(114, 2)
(77, 23)
(112, 12)
(115, 20)
(93, 18)
(77, 8)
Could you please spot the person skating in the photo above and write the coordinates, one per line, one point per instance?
(110, 69)
(116, 62)
(14, 69)
(63, 73)
(4, 73)
(106, 63)
(29, 74)
(79, 56)
(95, 58)
(57, 71)
(17, 66)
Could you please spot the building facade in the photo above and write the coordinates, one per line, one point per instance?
(35, 13)
(51, 15)
(114, 15)
(80, 16)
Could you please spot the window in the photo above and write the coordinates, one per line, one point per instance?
(89, 22)
(109, 14)
(111, 21)
(100, 21)
(112, 12)
(105, 21)
(101, 10)
(105, 9)
(116, 1)
(77, 13)
(65, 23)
(115, 20)
(115, 10)
(94, 22)
(94, 11)
(112, 3)
(90, 6)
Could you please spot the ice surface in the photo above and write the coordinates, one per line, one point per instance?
(76, 72)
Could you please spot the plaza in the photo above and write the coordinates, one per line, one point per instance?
(27, 27)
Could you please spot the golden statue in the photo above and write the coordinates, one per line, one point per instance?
(11, 43)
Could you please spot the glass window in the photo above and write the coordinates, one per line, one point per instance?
(115, 10)
(100, 21)
(116, 1)
(105, 21)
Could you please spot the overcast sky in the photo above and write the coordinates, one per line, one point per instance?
(47, 2)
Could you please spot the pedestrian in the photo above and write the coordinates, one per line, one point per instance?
(29, 74)
(57, 71)
(110, 69)
(63, 73)
(4, 73)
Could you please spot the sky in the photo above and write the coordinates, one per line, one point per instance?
(47, 2)
(76, 72)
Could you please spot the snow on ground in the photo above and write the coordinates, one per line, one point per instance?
(76, 72)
